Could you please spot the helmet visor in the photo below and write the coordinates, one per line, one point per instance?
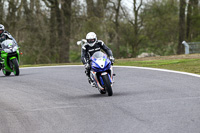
(1, 31)
(90, 40)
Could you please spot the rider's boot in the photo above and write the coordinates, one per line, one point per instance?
(91, 82)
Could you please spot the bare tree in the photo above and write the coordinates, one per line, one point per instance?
(66, 27)
(101, 5)
(189, 13)
(136, 23)
(53, 32)
(90, 8)
(136, 26)
(60, 28)
(1, 10)
(11, 19)
(182, 6)
(116, 8)
(192, 14)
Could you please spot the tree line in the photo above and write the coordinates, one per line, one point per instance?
(47, 30)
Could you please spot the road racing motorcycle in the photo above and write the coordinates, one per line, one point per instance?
(102, 72)
(9, 59)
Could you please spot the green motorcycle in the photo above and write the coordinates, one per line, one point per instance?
(9, 59)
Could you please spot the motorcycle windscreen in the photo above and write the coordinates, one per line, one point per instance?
(99, 54)
(8, 46)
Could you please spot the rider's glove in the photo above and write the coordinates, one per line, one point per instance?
(112, 59)
(87, 66)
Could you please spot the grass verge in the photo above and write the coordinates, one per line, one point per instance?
(184, 63)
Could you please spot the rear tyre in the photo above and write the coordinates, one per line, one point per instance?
(15, 66)
(6, 73)
(107, 84)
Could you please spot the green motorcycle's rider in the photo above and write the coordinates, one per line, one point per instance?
(89, 48)
(3, 36)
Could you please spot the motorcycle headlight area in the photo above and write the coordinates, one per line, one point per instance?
(15, 48)
(95, 66)
(8, 50)
(101, 62)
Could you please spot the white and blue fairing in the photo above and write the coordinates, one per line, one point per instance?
(100, 62)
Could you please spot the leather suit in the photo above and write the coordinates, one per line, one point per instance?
(87, 51)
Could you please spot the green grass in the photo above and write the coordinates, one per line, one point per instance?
(185, 65)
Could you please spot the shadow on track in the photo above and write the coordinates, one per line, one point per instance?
(117, 94)
(12, 75)
(2, 76)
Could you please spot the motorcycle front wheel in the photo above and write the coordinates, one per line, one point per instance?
(15, 66)
(107, 84)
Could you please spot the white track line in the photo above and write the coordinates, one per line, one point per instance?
(133, 67)
(163, 70)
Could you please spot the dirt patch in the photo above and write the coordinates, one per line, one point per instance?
(189, 56)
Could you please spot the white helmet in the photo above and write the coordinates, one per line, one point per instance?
(91, 38)
(1, 29)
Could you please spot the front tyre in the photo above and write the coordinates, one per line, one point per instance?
(15, 66)
(107, 84)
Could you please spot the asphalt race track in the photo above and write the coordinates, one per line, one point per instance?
(60, 100)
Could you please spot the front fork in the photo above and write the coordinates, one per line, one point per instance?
(94, 77)
(112, 74)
